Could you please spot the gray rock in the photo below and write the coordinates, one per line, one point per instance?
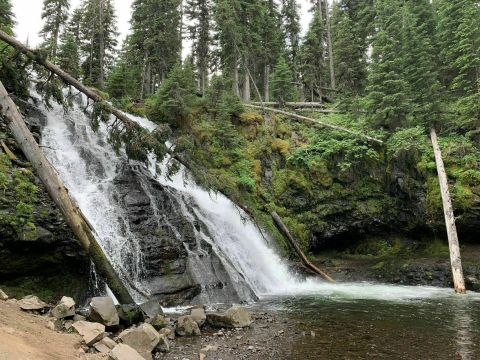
(130, 314)
(159, 322)
(186, 326)
(3, 296)
(65, 308)
(103, 311)
(152, 308)
(78, 317)
(32, 303)
(124, 352)
(143, 339)
(235, 317)
(168, 332)
(90, 332)
(163, 344)
(198, 314)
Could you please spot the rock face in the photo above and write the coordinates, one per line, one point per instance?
(124, 352)
(91, 332)
(65, 308)
(186, 326)
(235, 317)
(103, 311)
(143, 339)
(32, 303)
(164, 234)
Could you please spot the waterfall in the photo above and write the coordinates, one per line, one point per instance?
(168, 237)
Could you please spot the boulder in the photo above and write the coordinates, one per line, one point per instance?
(235, 317)
(103, 310)
(198, 314)
(163, 344)
(3, 296)
(90, 332)
(32, 303)
(130, 314)
(152, 308)
(65, 308)
(168, 332)
(143, 339)
(186, 326)
(124, 352)
(159, 322)
(105, 345)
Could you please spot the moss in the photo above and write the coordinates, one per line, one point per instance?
(282, 146)
(250, 118)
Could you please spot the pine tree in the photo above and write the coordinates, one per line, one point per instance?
(69, 54)
(283, 88)
(6, 16)
(312, 58)
(387, 89)
(54, 15)
(198, 13)
(291, 29)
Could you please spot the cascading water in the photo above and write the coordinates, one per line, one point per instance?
(170, 238)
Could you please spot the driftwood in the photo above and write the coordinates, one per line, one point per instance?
(315, 122)
(71, 213)
(455, 259)
(284, 230)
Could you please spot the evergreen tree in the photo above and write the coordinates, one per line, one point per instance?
(283, 88)
(312, 58)
(69, 55)
(387, 89)
(6, 16)
(291, 29)
(199, 14)
(98, 36)
(54, 15)
(352, 27)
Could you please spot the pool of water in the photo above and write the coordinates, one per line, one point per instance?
(383, 322)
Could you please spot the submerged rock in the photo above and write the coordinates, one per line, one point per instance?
(124, 352)
(186, 326)
(91, 332)
(104, 311)
(235, 317)
(65, 308)
(143, 339)
(32, 303)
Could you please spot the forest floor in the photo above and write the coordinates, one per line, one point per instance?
(25, 336)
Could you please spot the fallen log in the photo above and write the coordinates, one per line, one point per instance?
(284, 230)
(315, 122)
(301, 104)
(71, 213)
(455, 258)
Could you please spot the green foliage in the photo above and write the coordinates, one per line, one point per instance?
(282, 82)
(54, 14)
(174, 101)
(408, 142)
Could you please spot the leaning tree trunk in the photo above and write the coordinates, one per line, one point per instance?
(72, 214)
(455, 258)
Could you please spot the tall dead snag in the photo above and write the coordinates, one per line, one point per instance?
(72, 214)
(455, 258)
(284, 230)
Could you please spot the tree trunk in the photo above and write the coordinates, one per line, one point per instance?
(284, 230)
(315, 122)
(101, 80)
(72, 214)
(455, 259)
(330, 47)
(246, 83)
(266, 84)
(236, 79)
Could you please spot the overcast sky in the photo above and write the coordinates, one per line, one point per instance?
(29, 23)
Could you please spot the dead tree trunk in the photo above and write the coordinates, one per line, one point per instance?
(72, 214)
(284, 230)
(455, 259)
(266, 83)
(315, 122)
(330, 47)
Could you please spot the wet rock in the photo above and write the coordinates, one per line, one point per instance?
(152, 308)
(3, 296)
(198, 314)
(65, 308)
(32, 303)
(186, 326)
(130, 314)
(91, 332)
(143, 339)
(163, 344)
(103, 311)
(235, 317)
(159, 322)
(472, 283)
(124, 352)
